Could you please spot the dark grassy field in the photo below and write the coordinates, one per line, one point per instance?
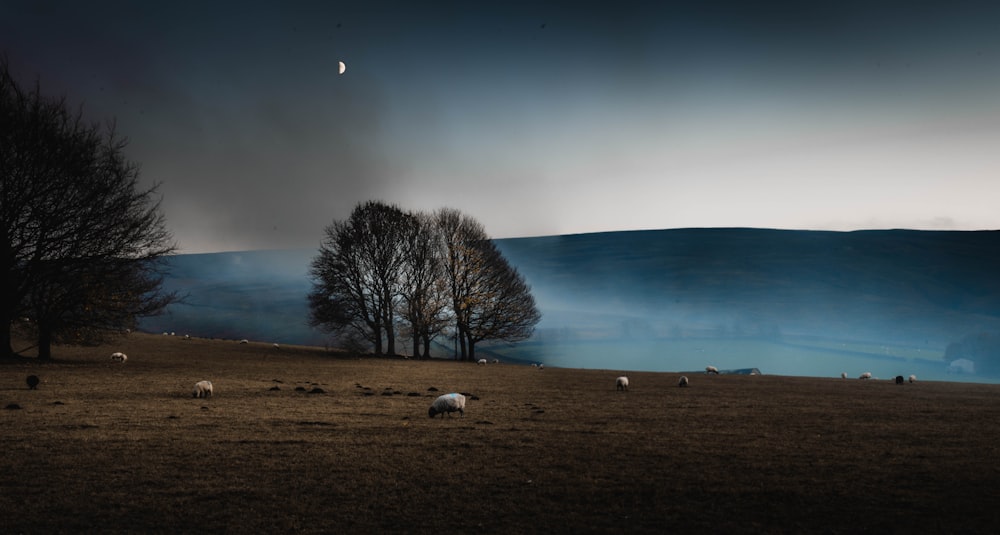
(106, 447)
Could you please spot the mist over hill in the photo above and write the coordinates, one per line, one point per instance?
(786, 302)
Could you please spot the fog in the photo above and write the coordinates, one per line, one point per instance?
(786, 303)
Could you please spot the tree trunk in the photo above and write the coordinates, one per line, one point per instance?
(427, 347)
(6, 342)
(390, 348)
(461, 343)
(416, 344)
(377, 339)
(44, 343)
(472, 351)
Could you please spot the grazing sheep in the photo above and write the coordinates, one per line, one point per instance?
(541, 366)
(683, 381)
(711, 369)
(118, 356)
(202, 389)
(481, 362)
(244, 341)
(913, 378)
(534, 364)
(33, 381)
(866, 375)
(448, 403)
(621, 383)
(899, 379)
(496, 361)
(843, 375)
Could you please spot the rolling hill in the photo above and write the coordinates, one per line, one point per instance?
(788, 302)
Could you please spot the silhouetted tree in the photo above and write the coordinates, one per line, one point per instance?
(79, 240)
(430, 270)
(356, 276)
(490, 300)
(424, 293)
(499, 305)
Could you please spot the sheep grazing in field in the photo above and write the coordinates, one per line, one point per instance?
(33, 381)
(843, 375)
(244, 341)
(202, 389)
(541, 366)
(621, 383)
(481, 362)
(899, 379)
(711, 369)
(913, 378)
(447, 403)
(866, 375)
(683, 381)
(118, 356)
(496, 361)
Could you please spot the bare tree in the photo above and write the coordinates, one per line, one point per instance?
(423, 290)
(499, 303)
(79, 240)
(489, 299)
(357, 274)
(431, 271)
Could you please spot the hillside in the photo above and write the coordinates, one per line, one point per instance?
(672, 299)
(893, 286)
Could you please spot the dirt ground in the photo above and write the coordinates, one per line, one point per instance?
(108, 447)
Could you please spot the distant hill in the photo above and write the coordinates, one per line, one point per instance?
(259, 295)
(895, 286)
(672, 299)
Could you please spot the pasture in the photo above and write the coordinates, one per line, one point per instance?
(111, 447)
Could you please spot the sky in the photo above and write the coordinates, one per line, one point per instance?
(536, 118)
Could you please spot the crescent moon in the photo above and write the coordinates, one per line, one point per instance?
(341, 67)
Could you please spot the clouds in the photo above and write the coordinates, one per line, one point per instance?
(535, 119)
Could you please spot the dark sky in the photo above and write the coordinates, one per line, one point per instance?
(536, 118)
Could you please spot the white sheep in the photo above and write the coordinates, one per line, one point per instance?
(866, 375)
(118, 356)
(541, 366)
(621, 383)
(711, 369)
(683, 381)
(447, 403)
(202, 389)
(843, 375)
(481, 362)
(913, 378)
(244, 341)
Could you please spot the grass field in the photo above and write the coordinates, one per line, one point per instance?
(104, 447)
(808, 358)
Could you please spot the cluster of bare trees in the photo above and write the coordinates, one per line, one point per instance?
(79, 239)
(385, 273)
